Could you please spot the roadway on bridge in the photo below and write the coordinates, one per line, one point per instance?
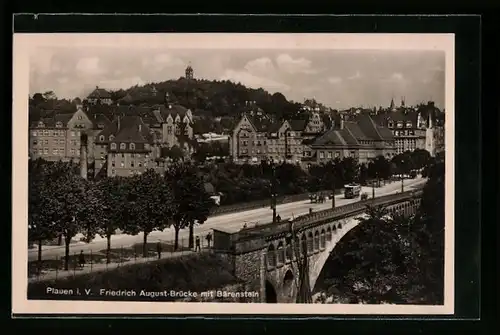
(229, 222)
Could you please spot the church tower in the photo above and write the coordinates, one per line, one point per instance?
(430, 144)
(393, 106)
(189, 72)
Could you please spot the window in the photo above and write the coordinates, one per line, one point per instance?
(101, 138)
(59, 124)
(113, 172)
(140, 164)
(391, 124)
(131, 163)
(79, 117)
(35, 142)
(113, 146)
(78, 133)
(132, 146)
(34, 133)
(72, 133)
(123, 146)
(40, 124)
(400, 124)
(111, 137)
(122, 164)
(46, 142)
(61, 151)
(113, 163)
(321, 154)
(100, 126)
(78, 152)
(329, 154)
(353, 153)
(54, 152)
(45, 133)
(408, 124)
(40, 151)
(46, 151)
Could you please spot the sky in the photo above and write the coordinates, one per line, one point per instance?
(336, 78)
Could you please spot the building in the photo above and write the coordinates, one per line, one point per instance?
(125, 147)
(99, 96)
(362, 139)
(256, 137)
(58, 137)
(412, 128)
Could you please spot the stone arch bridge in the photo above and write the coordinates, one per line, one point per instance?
(265, 256)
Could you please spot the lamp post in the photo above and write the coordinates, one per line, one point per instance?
(402, 178)
(273, 192)
(333, 192)
(373, 186)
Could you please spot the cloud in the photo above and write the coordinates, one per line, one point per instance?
(334, 80)
(251, 80)
(163, 60)
(116, 84)
(41, 61)
(89, 66)
(397, 76)
(261, 67)
(287, 64)
(355, 76)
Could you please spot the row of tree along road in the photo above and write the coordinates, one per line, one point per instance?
(62, 204)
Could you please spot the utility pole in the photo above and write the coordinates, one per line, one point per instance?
(402, 178)
(333, 192)
(273, 192)
(373, 186)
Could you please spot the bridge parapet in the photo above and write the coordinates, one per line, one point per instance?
(255, 238)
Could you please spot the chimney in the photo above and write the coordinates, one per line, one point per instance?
(83, 156)
(118, 124)
(140, 127)
(341, 121)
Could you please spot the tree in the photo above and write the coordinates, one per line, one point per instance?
(349, 169)
(420, 158)
(68, 190)
(150, 200)
(113, 195)
(42, 209)
(191, 203)
(380, 168)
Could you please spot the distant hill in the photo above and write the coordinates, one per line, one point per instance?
(216, 98)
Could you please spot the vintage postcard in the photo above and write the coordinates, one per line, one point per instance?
(233, 173)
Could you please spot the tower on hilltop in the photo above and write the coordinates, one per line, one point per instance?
(189, 72)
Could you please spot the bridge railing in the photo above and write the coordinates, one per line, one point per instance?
(328, 214)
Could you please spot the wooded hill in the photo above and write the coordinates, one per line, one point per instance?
(211, 98)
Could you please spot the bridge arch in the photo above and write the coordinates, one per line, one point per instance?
(271, 296)
(288, 284)
(310, 245)
(281, 253)
(328, 234)
(334, 233)
(288, 250)
(271, 256)
(322, 239)
(316, 240)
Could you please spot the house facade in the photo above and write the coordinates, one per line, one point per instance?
(99, 96)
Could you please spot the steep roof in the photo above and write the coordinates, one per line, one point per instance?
(99, 93)
(297, 125)
(50, 122)
(99, 119)
(132, 129)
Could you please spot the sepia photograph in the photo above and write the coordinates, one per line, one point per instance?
(233, 173)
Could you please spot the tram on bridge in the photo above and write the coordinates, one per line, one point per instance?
(352, 191)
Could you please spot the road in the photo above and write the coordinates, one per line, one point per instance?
(229, 222)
